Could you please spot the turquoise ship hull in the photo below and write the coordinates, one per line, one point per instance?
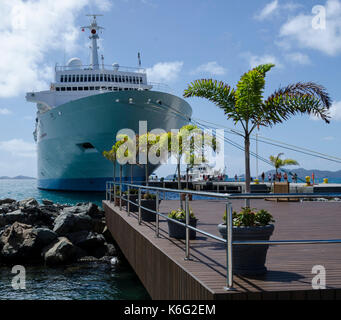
(63, 162)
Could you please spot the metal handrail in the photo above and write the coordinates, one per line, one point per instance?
(229, 241)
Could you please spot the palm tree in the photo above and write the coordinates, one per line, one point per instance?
(279, 163)
(245, 104)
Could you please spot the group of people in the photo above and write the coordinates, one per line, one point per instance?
(274, 177)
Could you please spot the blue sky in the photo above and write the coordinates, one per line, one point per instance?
(179, 41)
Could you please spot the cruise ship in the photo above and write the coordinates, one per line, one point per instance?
(79, 116)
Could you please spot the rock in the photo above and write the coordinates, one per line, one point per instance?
(28, 215)
(47, 202)
(60, 251)
(86, 240)
(107, 235)
(98, 225)
(30, 202)
(67, 223)
(19, 243)
(6, 201)
(44, 236)
(111, 250)
(89, 209)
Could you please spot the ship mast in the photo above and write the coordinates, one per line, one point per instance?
(94, 28)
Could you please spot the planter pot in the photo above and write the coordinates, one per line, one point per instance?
(179, 232)
(133, 198)
(183, 197)
(146, 215)
(249, 260)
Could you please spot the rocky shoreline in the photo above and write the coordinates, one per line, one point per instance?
(53, 234)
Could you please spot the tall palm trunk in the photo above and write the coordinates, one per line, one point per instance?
(247, 168)
(131, 173)
(179, 182)
(146, 172)
(247, 163)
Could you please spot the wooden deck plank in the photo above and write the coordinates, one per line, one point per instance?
(289, 266)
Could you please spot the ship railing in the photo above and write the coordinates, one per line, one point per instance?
(101, 68)
(114, 193)
(156, 86)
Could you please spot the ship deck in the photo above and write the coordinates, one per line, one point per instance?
(160, 265)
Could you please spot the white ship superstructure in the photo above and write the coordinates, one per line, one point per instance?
(78, 117)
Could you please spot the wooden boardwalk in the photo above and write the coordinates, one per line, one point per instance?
(160, 265)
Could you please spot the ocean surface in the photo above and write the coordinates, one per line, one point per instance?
(77, 281)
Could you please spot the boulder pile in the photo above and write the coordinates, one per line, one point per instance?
(53, 233)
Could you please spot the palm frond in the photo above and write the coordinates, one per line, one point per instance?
(304, 98)
(218, 92)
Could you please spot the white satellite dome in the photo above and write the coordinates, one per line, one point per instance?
(74, 63)
(115, 66)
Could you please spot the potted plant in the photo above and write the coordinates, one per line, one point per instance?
(148, 200)
(133, 196)
(249, 224)
(178, 231)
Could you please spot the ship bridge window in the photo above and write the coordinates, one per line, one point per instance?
(73, 78)
(74, 88)
(62, 88)
(105, 78)
(97, 77)
(85, 78)
(101, 77)
(68, 89)
(81, 79)
(86, 88)
(69, 78)
(61, 78)
(57, 88)
(77, 79)
(80, 88)
(92, 88)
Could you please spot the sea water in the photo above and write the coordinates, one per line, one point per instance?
(75, 281)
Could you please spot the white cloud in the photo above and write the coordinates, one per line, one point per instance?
(164, 71)
(19, 148)
(5, 111)
(255, 60)
(267, 10)
(29, 30)
(329, 138)
(335, 111)
(298, 57)
(299, 30)
(211, 67)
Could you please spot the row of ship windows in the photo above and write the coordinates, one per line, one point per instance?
(93, 88)
(100, 77)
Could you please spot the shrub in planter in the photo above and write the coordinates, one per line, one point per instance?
(249, 224)
(178, 231)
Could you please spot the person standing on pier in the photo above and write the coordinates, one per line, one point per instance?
(263, 177)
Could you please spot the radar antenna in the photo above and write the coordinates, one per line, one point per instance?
(94, 28)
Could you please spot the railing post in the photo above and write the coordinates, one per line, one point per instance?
(229, 261)
(128, 200)
(139, 215)
(157, 215)
(164, 192)
(114, 193)
(187, 230)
